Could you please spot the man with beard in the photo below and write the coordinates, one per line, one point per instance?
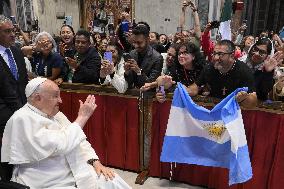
(145, 64)
(222, 77)
(226, 74)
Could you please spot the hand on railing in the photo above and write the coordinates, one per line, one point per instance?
(166, 81)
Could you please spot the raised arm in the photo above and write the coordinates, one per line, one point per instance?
(197, 28)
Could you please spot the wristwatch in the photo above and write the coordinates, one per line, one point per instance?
(91, 161)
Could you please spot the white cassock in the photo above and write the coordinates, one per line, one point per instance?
(51, 153)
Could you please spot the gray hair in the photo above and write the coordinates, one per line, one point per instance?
(44, 33)
(4, 19)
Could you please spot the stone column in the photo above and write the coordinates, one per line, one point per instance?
(13, 7)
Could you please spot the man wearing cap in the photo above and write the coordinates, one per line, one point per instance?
(13, 80)
(47, 150)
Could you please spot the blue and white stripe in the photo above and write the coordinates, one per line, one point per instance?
(188, 140)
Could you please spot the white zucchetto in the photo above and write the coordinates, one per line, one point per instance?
(33, 84)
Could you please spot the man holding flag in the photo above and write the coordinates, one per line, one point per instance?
(221, 77)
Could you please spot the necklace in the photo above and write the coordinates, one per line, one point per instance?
(228, 72)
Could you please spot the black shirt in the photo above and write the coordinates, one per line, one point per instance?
(221, 85)
(180, 74)
(43, 66)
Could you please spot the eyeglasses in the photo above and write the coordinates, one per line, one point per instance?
(220, 54)
(260, 51)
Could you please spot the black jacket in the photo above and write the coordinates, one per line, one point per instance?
(89, 68)
(151, 66)
(12, 92)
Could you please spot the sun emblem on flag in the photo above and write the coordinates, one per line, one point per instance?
(215, 130)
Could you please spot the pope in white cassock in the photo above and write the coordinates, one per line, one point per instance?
(47, 150)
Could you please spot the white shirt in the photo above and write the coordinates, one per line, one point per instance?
(118, 81)
(5, 55)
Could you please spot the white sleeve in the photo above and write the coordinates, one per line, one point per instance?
(60, 141)
(106, 81)
(87, 151)
(118, 81)
(28, 138)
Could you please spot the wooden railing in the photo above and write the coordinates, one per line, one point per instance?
(146, 107)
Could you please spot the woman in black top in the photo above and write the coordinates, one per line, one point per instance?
(188, 64)
(187, 67)
(45, 61)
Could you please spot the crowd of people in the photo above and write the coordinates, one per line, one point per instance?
(136, 57)
(139, 56)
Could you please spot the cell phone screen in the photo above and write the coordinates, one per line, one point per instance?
(162, 89)
(69, 53)
(108, 56)
(125, 26)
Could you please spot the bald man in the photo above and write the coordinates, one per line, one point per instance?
(47, 150)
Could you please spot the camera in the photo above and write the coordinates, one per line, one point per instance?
(69, 53)
(126, 56)
(215, 24)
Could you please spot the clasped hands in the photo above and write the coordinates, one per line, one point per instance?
(131, 64)
(165, 81)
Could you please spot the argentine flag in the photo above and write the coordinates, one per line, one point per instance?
(196, 135)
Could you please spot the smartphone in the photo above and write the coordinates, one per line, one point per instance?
(69, 53)
(126, 56)
(13, 19)
(68, 20)
(162, 89)
(179, 29)
(215, 24)
(108, 56)
(125, 26)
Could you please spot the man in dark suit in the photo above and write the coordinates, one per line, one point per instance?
(146, 63)
(13, 80)
(86, 67)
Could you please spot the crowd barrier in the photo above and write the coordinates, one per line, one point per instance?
(127, 132)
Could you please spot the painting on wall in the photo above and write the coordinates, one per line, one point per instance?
(104, 13)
